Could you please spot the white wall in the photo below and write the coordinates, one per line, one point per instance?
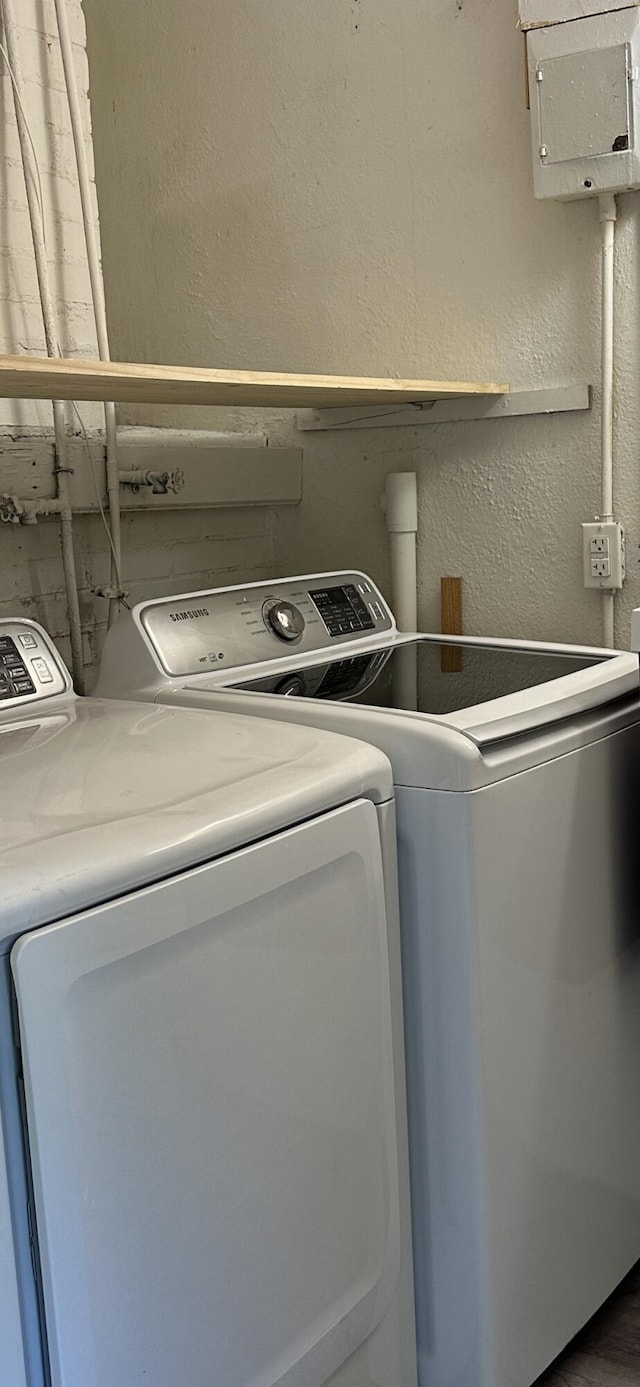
(162, 553)
(47, 112)
(31, 581)
(347, 187)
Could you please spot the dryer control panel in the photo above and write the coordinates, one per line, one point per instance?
(30, 667)
(209, 631)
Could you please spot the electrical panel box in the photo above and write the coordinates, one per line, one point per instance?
(585, 105)
(538, 13)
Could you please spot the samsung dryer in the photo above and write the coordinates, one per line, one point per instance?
(202, 1136)
(516, 768)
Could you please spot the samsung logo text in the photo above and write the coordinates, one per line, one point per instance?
(189, 616)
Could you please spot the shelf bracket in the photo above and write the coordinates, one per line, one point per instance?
(553, 400)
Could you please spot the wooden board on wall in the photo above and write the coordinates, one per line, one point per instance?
(42, 378)
(451, 623)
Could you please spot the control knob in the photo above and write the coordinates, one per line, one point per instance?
(285, 620)
(291, 686)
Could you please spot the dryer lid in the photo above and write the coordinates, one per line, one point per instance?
(101, 797)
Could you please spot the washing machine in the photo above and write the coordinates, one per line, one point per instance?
(203, 1161)
(516, 768)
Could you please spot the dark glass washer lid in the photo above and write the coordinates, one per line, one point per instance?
(378, 678)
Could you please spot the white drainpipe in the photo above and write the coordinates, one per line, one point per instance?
(400, 503)
(608, 216)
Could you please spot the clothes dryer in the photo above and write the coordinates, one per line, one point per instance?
(516, 768)
(202, 1147)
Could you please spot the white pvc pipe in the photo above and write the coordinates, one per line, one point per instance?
(608, 620)
(404, 579)
(401, 509)
(97, 291)
(51, 338)
(400, 503)
(608, 221)
(608, 215)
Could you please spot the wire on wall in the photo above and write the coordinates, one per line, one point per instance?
(97, 297)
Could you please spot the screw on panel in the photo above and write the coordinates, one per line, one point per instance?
(543, 151)
(539, 74)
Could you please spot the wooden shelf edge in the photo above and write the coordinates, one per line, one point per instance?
(60, 378)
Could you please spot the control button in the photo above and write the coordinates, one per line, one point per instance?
(23, 686)
(342, 610)
(285, 620)
(42, 670)
(12, 658)
(28, 641)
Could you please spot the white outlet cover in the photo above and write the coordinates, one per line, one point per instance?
(611, 535)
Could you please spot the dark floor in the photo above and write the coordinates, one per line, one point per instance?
(607, 1352)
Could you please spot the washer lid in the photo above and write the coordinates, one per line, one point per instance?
(489, 689)
(103, 796)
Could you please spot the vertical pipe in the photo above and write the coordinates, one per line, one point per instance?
(404, 579)
(49, 320)
(608, 624)
(608, 221)
(97, 291)
(400, 503)
(608, 215)
(401, 508)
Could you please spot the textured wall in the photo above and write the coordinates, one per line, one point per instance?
(347, 187)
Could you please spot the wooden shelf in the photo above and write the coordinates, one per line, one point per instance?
(44, 378)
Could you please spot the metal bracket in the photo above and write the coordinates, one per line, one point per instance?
(554, 400)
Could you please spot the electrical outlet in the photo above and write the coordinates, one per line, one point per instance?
(603, 558)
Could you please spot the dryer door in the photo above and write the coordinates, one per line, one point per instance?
(210, 1110)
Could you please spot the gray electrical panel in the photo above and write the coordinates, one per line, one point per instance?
(585, 105)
